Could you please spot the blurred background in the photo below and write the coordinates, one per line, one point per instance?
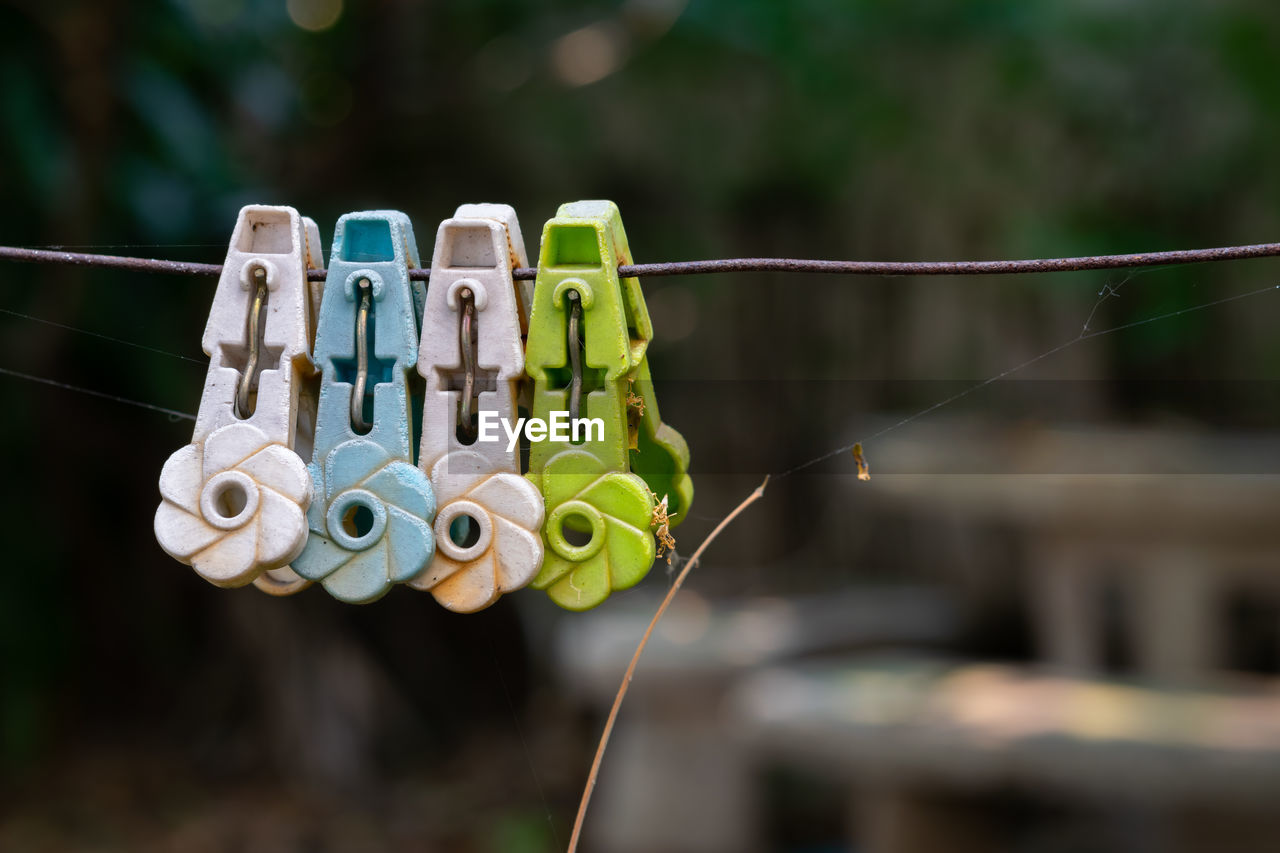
(1049, 622)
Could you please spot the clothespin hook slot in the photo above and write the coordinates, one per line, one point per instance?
(574, 343)
(467, 343)
(365, 289)
(243, 391)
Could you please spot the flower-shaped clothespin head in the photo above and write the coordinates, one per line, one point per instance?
(371, 528)
(597, 530)
(234, 499)
(487, 539)
(588, 334)
(472, 357)
(232, 505)
(371, 520)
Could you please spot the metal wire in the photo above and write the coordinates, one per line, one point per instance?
(467, 344)
(572, 340)
(243, 409)
(362, 357)
(79, 259)
(729, 265)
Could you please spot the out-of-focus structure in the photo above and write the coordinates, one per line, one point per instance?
(1146, 715)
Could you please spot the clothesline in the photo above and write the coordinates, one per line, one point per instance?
(729, 265)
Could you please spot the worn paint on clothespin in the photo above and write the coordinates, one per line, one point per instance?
(235, 498)
(599, 514)
(371, 518)
(488, 528)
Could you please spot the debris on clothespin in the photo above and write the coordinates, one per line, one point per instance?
(864, 470)
(662, 529)
(634, 400)
(635, 412)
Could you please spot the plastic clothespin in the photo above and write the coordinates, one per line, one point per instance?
(487, 529)
(284, 580)
(371, 518)
(588, 335)
(659, 454)
(234, 498)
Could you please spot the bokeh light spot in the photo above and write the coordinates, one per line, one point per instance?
(587, 55)
(314, 15)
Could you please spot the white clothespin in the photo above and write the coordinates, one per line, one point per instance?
(284, 580)
(234, 499)
(487, 527)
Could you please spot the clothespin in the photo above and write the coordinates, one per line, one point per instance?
(659, 454)
(588, 334)
(371, 519)
(284, 580)
(234, 498)
(487, 529)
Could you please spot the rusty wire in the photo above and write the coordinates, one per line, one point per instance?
(730, 265)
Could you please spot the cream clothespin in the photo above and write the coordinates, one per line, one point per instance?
(284, 580)
(472, 357)
(235, 497)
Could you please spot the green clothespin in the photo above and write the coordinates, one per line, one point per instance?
(659, 454)
(588, 334)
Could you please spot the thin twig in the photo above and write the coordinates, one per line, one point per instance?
(635, 658)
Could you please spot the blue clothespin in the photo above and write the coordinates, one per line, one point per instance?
(370, 521)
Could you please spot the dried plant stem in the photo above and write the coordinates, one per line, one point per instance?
(635, 658)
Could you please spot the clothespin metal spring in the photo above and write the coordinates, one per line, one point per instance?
(255, 324)
(362, 358)
(466, 341)
(574, 343)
